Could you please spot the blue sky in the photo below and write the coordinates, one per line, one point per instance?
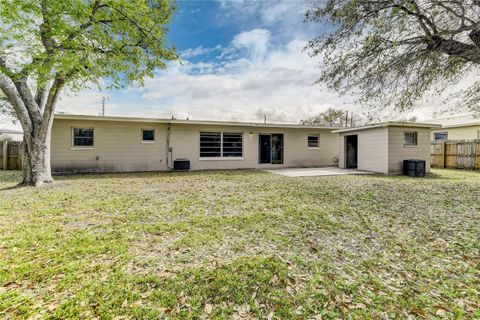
(240, 60)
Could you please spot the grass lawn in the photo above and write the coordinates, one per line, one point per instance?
(241, 245)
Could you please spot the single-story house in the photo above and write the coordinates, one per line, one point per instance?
(122, 144)
(382, 147)
(464, 127)
(467, 131)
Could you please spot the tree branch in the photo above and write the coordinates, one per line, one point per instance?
(28, 100)
(41, 95)
(454, 48)
(49, 110)
(474, 35)
(8, 88)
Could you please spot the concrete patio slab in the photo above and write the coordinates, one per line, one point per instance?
(315, 172)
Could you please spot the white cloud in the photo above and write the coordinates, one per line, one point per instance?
(276, 82)
(85, 102)
(286, 17)
(199, 51)
(263, 71)
(249, 78)
(255, 42)
(259, 73)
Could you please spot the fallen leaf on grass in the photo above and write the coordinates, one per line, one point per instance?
(360, 306)
(9, 286)
(441, 312)
(270, 315)
(208, 308)
(274, 279)
(52, 306)
(243, 310)
(298, 311)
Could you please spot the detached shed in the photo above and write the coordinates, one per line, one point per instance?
(382, 147)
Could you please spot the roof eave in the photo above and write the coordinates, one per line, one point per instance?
(390, 124)
(452, 126)
(190, 122)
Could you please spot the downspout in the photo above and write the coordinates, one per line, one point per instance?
(169, 150)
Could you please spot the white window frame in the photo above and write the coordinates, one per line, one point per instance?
(74, 147)
(405, 144)
(317, 135)
(148, 141)
(439, 132)
(221, 157)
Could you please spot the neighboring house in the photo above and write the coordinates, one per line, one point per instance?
(11, 135)
(382, 147)
(464, 127)
(120, 144)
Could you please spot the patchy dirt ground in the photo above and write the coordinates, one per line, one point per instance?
(241, 245)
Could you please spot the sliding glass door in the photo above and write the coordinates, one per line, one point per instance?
(277, 148)
(270, 148)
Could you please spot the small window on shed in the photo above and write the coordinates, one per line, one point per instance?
(410, 138)
(82, 137)
(441, 136)
(148, 135)
(313, 140)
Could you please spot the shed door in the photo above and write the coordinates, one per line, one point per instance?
(351, 152)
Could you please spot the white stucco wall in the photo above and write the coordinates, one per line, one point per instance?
(398, 151)
(372, 149)
(118, 146)
(383, 149)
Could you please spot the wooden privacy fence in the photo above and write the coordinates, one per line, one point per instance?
(456, 154)
(10, 155)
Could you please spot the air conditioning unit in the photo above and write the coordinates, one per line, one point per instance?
(414, 168)
(181, 165)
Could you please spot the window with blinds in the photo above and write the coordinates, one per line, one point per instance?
(313, 140)
(82, 137)
(410, 138)
(221, 144)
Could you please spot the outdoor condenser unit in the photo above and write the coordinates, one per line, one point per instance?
(414, 168)
(181, 165)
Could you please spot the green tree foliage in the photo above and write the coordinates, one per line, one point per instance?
(330, 117)
(392, 53)
(115, 40)
(47, 45)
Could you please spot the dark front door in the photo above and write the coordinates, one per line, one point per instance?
(264, 148)
(270, 148)
(351, 157)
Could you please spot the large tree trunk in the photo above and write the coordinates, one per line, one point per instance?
(36, 154)
(36, 117)
(36, 161)
(38, 170)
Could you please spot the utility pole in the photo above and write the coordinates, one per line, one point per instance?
(265, 119)
(346, 118)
